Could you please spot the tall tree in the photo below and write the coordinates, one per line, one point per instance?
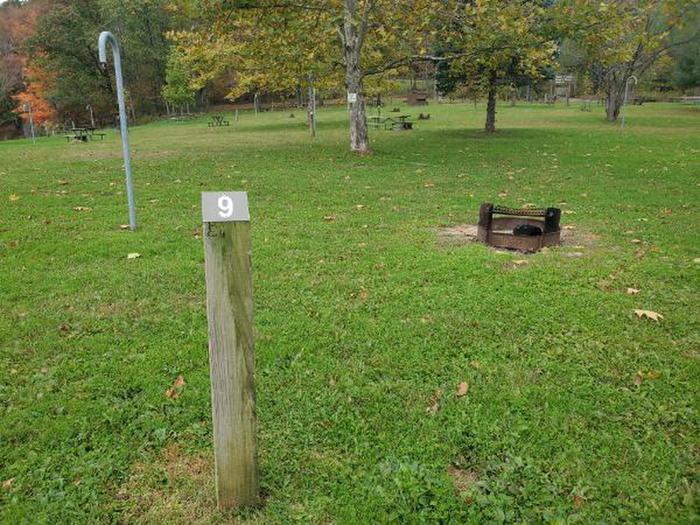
(274, 45)
(622, 38)
(495, 43)
(65, 44)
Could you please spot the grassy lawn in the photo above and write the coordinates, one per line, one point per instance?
(367, 320)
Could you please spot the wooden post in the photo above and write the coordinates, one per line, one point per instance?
(227, 264)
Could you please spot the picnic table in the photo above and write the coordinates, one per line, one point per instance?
(397, 122)
(217, 121)
(403, 122)
(83, 134)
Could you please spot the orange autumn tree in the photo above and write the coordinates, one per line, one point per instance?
(36, 85)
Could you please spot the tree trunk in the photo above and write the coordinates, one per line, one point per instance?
(613, 103)
(311, 107)
(352, 35)
(491, 106)
(256, 103)
(359, 140)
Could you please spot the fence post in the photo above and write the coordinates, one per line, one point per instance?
(227, 264)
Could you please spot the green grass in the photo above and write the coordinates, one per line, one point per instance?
(359, 321)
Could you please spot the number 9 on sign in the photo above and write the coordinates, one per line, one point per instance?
(225, 206)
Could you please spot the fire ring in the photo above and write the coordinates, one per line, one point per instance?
(522, 229)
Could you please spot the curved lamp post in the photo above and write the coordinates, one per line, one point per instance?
(106, 36)
(624, 102)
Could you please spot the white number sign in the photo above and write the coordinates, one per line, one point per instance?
(225, 206)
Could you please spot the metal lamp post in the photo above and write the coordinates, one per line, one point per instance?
(28, 109)
(102, 44)
(624, 102)
(92, 116)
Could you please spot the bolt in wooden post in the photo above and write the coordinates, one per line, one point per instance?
(227, 263)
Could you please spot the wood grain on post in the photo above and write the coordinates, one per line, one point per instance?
(227, 256)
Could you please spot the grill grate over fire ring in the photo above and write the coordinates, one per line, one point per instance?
(523, 229)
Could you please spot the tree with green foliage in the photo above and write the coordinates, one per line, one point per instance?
(495, 43)
(625, 39)
(177, 90)
(280, 45)
(65, 45)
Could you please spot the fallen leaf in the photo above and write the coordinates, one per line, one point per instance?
(13, 244)
(434, 403)
(62, 182)
(428, 185)
(133, 255)
(364, 294)
(654, 316)
(123, 226)
(636, 241)
(653, 375)
(632, 291)
(82, 208)
(329, 217)
(475, 364)
(638, 378)
(462, 389)
(519, 262)
(14, 197)
(578, 500)
(503, 194)
(359, 206)
(7, 484)
(567, 227)
(174, 391)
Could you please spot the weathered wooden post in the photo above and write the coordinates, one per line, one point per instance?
(227, 264)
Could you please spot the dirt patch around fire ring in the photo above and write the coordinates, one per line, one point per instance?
(575, 241)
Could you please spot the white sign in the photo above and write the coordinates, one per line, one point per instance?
(225, 206)
(563, 79)
(352, 98)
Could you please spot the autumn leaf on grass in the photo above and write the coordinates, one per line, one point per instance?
(519, 262)
(133, 255)
(462, 389)
(364, 294)
(62, 182)
(329, 218)
(434, 403)
(7, 484)
(174, 391)
(123, 226)
(632, 291)
(475, 364)
(654, 316)
(14, 197)
(82, 208)
(639, 378)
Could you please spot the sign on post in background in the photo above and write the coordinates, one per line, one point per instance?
(227, 266)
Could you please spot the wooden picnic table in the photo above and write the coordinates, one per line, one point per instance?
(83, 134)
(217, 121)
(403, 122)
